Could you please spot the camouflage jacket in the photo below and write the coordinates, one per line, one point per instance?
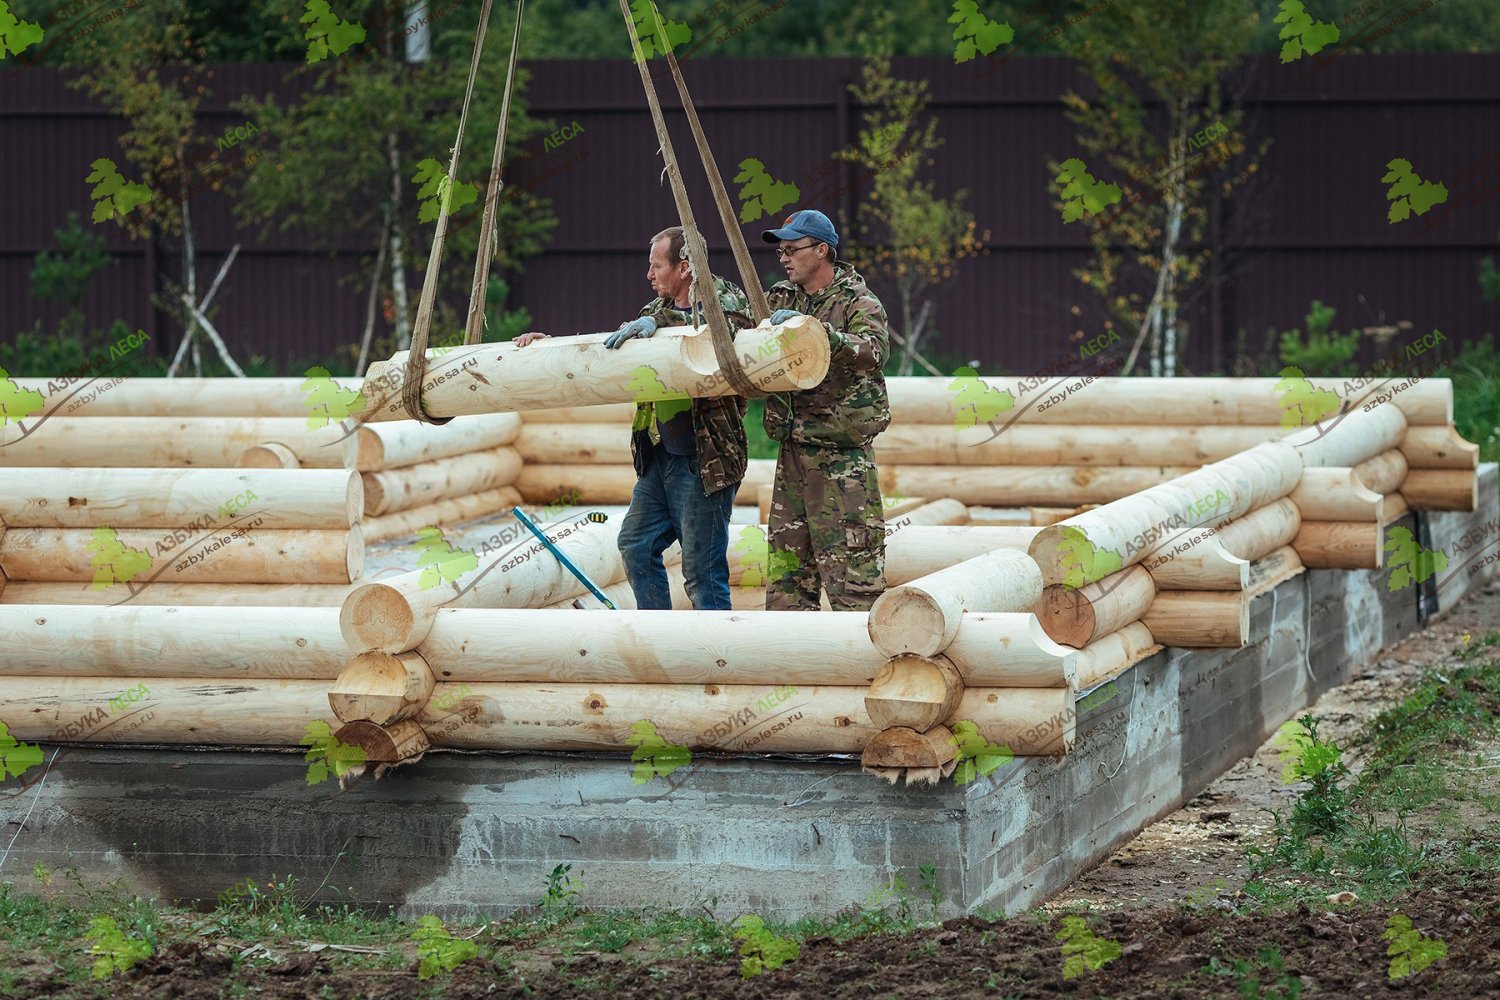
(849, 407)
(718, 423)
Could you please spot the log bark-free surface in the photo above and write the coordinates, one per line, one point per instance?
(575, 444)
(911, 550)
(901, 747)
(460, 476)
(381, 688)
(923, 616)
(226, 555)
(259, 595)
(1076, 616)
(172, 498)
(1339, 545)
(1441, 447)
(402, 443)
(440, 513)
(167, 442)
(1199, 619)
(179, 397)
(577, 371)
(268, 456)
(1030, 721)
(1219, 559)
(1441, 489)
(614, 484)
(1106, 444)
(917, 692)
(1335, 493)
(1350, 439)
(1015, 485)
(1110, 655)
(1009, 649)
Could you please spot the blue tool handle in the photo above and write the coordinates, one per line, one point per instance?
(567, 563)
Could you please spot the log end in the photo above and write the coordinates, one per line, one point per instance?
(369, 454)
(914, 692)
(901, 747)
(376, 616)
(385, 744)
(381, 688)
(1066, 616)
(903, 620)
(268, 456)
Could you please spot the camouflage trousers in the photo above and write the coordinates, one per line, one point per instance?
(827, 530)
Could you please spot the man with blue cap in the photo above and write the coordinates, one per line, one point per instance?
(827, 527)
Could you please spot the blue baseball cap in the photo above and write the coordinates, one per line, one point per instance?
(808, 222)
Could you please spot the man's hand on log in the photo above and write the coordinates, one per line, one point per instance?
(780, 316)
(527, 338)
(643, 328)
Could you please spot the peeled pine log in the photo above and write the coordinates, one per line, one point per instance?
(268, 456)
(1113, 402)
(928, 512)
(283, 643)
(460, 476)
(256, 556)
(255, 595)
(1340, 545)
(1107, 444)
(650, 647)
(1438, 448)
(1194, 619)
(440, 513)
(923, 616)
(575, 444)
(397, 615)
(171, 498)
(1030, 721)
(1441, 489)
(392, 744)
(614, 414)
(1076, 616)
(1272, 569)
(381, 688)
(1111, 655)
(1010, 649)
(1396, 508)
(908, 505)
(925, 757)
(1219, 558)
(403, 443)
(911, 550)
(577, 371)
(917, 692)
(1015, 485)
(182, 397)
(1336, 494)
(1350, 438)
(614, 484)
(1384, 473)
(1000, 517)
(168, 442)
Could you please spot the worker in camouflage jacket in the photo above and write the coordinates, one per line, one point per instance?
(827, 524)
(689, 454)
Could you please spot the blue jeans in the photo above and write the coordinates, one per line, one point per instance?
(668, 505)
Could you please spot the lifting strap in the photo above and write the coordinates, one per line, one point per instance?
(703, 281)
(416, 358)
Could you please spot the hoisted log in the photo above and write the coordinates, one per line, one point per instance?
(1195, 619)
(230, 554)
(403, 443)
(172, 498)
(1220, 558)
(257, 595)
(614, 414)
(181, 397)
(579, 371)
(440, 513)
(396, 615)
(1340, 545)
(381, 688)
(1440, 447)
(169, 442)
(443, 479)
(1111, 655)
(1076, 616)
(1010, 649)
(269, 455)
(148, 642)
(916, 692)
(923, 616)
(1441, 489)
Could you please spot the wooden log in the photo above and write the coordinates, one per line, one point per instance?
(198, 642)
(1219, 558)
(1111, 655)
(1440, 447)
(1030, 721)
(614, 414)
(257, 595)
(181, 397)
(381, 688)
(763, 502)
(1272, 569)
(1384, 473)
(403, 443)
(1350, 438)
(1339, 545)
(1112, 402)
(1107, 444)
(575, 444)
(1076, 616)
(917, 692)
(390, 744)
(1016, 485)
(934, 512)
(923, 616)
(1396, 508)
(1000, 517)
(677, 362)
(1194, 619)
(650, 647)
(893, 507)
(1043, 516)
(901, 747)
(1009, 649)
(460, 476)
(268, 456)
(911, 550)
(396, 616)
(614, 484)
(173, 498)
(453, 510)
(168, 442)
(1441, 489)
(1257, 476)
(236, 553)
(1336, 494)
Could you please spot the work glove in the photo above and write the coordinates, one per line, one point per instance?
(643, 327)
(780, 316)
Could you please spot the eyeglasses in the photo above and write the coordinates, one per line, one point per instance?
(785, 252)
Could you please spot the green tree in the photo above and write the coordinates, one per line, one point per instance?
(657, 33)
(761, 950)
(1157, 71)
(116, 952)
(327, 32)
(1324, 352)
(1301, 34)
(976, 34)
(1083, 193)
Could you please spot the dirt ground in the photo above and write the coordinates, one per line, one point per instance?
(1167, 898)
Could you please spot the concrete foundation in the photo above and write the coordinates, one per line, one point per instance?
(466, 834)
